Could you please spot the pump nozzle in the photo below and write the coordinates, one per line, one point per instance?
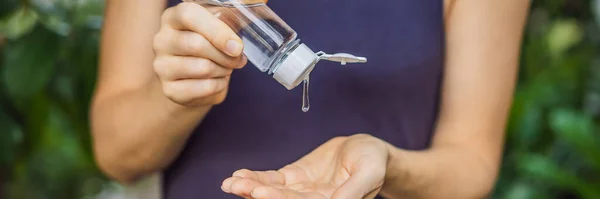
(343, 58)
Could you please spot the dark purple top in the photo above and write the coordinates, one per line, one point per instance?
(261, 126)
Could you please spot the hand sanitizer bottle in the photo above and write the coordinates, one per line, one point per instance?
(269, 43)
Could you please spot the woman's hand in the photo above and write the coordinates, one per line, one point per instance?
(195, 55)
(342, 168)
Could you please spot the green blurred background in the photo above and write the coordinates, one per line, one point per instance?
(49, 55)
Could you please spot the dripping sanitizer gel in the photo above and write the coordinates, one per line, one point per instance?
(270, 44)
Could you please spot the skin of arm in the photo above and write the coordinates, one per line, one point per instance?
(482, 51)
(136, 129)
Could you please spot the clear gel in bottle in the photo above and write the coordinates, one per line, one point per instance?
(269, 43)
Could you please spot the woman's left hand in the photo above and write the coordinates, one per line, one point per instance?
(351, 167)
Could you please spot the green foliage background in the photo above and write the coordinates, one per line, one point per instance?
(49, 54)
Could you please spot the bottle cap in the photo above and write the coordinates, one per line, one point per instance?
(296, 67)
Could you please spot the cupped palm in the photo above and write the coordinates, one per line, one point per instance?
(341, 168)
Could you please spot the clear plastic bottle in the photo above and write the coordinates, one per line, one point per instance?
(269, 43)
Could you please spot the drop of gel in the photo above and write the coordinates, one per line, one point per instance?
(305, 100)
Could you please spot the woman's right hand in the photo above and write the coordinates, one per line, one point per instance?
(195, 54)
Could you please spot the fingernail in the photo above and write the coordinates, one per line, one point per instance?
(223, 188)
(233, 47)
(226, 184)
(254, 194)
(258, 192)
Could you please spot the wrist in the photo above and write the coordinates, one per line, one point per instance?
(403, 178)
(396, 169)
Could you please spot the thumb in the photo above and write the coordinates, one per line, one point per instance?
(364, 184)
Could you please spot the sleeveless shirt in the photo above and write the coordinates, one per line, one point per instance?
(260, 126)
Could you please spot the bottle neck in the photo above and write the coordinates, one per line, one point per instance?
(286, 49)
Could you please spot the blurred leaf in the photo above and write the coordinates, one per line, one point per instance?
(522, 190)
(562, 35)
(535, 56)
(596, 10)
(553, 6)
(525, 121)
(56, 8)
(591, 102)
(78, 82)
(55, 14)
(47, 76)
(564, 156)
(541, 168)
(29, 63)
(37, 110)
(577, 130)
(55, 24)
(60, 154)
(88, 13)
(58, 162)
(542, 89)
(7, 7)
(18, 23)
(10, 138)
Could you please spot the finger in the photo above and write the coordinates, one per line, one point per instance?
(268, 192)
(186, 43)
(372, 194)
(244, 187)
(265, 177)
(363, 184)
(226, 185)
(187, 91)
(191, 16)
(172, 68)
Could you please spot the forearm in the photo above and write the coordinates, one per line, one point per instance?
(140, 131)
(449, 172)
(480, 71)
